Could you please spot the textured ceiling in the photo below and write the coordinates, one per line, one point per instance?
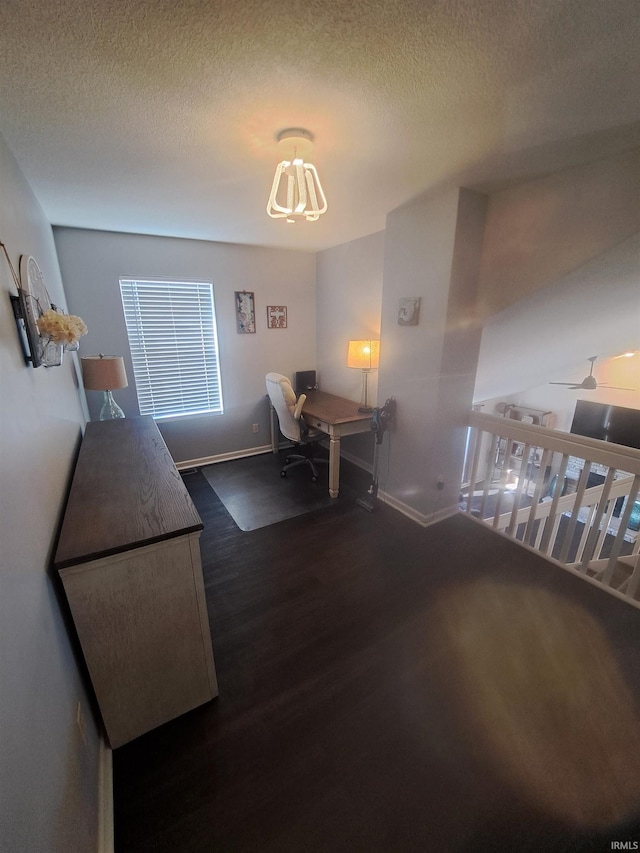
(160, 117)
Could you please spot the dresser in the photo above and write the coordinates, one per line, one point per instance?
(128, 556)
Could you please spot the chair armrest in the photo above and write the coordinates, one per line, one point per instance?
(299, 404)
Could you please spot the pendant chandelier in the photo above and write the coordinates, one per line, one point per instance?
(296, 192)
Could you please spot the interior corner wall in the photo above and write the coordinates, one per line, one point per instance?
(92, 263)
(348, 307)
(432, 251)
(48, 775)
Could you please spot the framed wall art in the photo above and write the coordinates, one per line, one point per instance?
(245, 312)
(276, 316)
(409, 311)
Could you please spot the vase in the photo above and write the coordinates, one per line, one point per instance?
(110, 409)
(51, 353)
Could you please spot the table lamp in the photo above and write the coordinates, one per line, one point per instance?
(105, 373)
(364, 355)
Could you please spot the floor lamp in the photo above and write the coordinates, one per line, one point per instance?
(365, 356)
(105, 373)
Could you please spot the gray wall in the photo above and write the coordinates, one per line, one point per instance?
(48, 775)
(92, 262)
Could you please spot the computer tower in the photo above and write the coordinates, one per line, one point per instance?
(305, 381)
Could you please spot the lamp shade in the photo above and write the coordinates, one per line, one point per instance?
(103, 372)
(364, 355)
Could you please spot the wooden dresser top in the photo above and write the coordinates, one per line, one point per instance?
(126, 492)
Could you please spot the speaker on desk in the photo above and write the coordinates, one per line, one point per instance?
(305, 381)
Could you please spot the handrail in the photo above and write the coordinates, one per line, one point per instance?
(604, 452)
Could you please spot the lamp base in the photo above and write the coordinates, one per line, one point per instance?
(365, 409)
(110, 409)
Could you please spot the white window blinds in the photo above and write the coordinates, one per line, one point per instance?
(174, 346)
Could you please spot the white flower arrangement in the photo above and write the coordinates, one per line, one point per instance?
(61, 328)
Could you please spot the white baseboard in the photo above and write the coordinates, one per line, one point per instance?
(394, 503)
(223, 457)
(413, 514)
(105, 798)
(258, 451)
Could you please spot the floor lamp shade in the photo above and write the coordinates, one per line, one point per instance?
(105, 373)
(364, 355)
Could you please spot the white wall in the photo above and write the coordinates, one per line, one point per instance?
(92, 262)
(48, 776)
(432, 251)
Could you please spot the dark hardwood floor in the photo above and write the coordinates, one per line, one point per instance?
(385, 687)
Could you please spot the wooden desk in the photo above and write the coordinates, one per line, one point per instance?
(129, 560)
(334, 416)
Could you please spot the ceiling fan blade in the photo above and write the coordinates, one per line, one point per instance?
(615, 387)
(571, 385)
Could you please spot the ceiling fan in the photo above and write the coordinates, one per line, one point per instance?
(589, 382)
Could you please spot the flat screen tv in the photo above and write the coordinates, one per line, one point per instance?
(608, 423)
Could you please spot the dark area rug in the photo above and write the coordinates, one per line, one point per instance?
(255, 495)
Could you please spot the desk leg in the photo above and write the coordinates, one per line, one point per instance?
(334, 466)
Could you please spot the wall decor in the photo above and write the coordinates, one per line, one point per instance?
(409, 311)
(45, 330)
(277, 316)
(245, 312)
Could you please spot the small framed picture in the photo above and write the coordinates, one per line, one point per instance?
(245, 312)
(409, 311)
(276, 316)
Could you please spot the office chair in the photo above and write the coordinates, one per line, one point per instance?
(292, 425)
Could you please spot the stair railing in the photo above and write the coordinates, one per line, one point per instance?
(535, 485)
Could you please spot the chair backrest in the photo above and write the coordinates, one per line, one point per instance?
(288, 409)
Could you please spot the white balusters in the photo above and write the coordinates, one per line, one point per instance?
(511, 465)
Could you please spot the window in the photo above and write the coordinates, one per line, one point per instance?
(174, 346)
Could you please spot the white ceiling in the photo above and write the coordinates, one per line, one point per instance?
(160, 116)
